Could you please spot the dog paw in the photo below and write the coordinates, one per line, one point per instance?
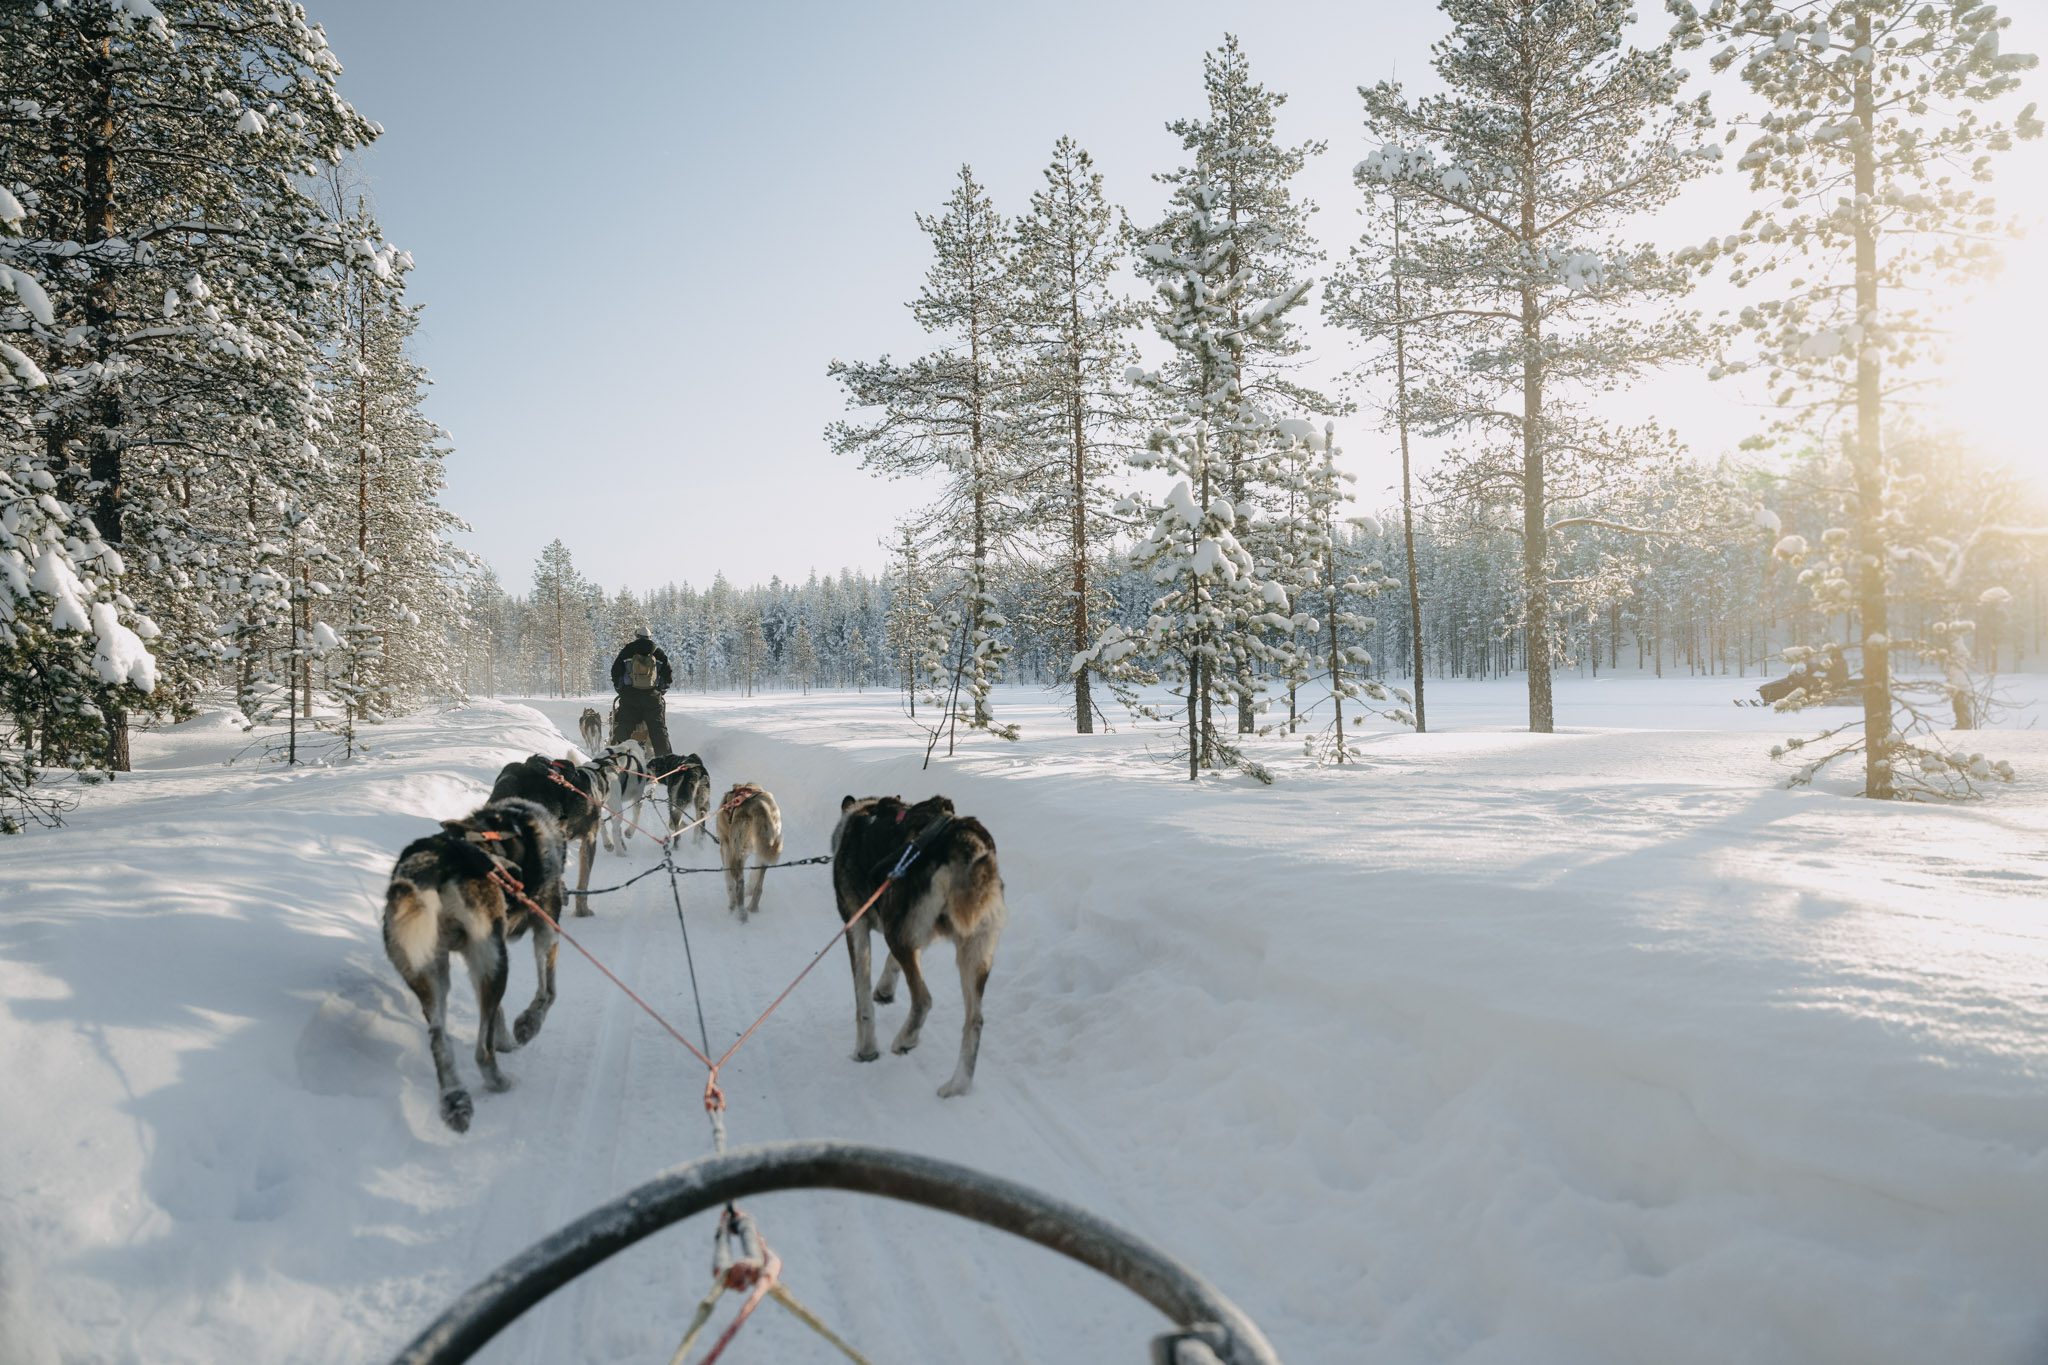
(584, 912)
(455, 1110)
(883, 997)
(524, 1027)
(903, 1045)
(866, 1055)
(497, 1082)
(956, 1086)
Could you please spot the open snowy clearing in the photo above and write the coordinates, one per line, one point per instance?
(1588, 1047)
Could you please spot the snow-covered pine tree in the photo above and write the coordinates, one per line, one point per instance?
(163, 155)
(1382, 295)
(1210, 629)
(1237, 152)
(1073, 338)
(953, 413)
(1869, 158)
(1553, 133)
(803, 657)
(1348, 578)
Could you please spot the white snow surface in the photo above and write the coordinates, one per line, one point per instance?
(1590, 1047)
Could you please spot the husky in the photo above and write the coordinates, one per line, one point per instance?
(951, 890)
(749, 822)
(591, 724)
(444, 898)
(576, 794)
(688, 785)
(628, 760)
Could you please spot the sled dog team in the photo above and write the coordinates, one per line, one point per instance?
(472, 888)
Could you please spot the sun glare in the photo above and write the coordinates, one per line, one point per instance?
(1994, 393)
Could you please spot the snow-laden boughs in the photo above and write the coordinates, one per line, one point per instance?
(171, 258)
(1211, 628)
(1234, 199)
(1553, 134)
(955, 413)
(1869, 163)
(1948, 553)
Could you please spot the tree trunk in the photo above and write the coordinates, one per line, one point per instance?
(1868, 459)
(1407, 488)
(102, 310)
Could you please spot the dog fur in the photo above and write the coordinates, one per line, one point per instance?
(688, 784)
(579, 808)
(629, 759)
(749, 824)
(954, 890)
(591, 724)
(442, 900)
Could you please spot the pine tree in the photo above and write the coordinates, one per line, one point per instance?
(1553, 134)
(1209, 629)
(562, 624)
(1248, 175)
(163, 158)
(1382, 294)
(803, 657)
(1073, 337)
(1869, 157)
(953, 413)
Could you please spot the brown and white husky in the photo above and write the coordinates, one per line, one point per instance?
(749, 826)
(444, 898)
(952, 889)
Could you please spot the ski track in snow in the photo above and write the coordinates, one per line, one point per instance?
(1577, 1048)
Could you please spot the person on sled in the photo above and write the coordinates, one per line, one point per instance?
(641, 676)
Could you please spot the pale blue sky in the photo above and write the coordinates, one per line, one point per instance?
(643, 229)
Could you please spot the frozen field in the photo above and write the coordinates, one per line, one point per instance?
(1591, 1047)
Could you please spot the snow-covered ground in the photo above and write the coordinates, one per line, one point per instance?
(1590, 1047)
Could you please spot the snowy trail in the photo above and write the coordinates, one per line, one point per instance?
(1589, 1047)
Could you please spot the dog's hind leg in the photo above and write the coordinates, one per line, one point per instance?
(860, 948)
(588, 855)
(432, 989)
(754, 884)
(487, 972)
(527, 1025)
(703, 811)
(920, 999)
(735, 859)
(976, 958)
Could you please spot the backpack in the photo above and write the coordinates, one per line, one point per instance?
(640, 671)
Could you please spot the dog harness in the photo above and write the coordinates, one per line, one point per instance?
(737, 797)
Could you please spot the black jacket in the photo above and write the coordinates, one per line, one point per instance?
(663, 675)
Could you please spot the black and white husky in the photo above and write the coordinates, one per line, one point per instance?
(444, 898)
(951, 890)
(627, 762)
(578, 795)
(688, 785)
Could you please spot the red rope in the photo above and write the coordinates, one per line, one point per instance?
(714, 1096)
(711, 1089)
(508, 882)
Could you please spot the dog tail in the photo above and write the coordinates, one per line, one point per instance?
(412, 924)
